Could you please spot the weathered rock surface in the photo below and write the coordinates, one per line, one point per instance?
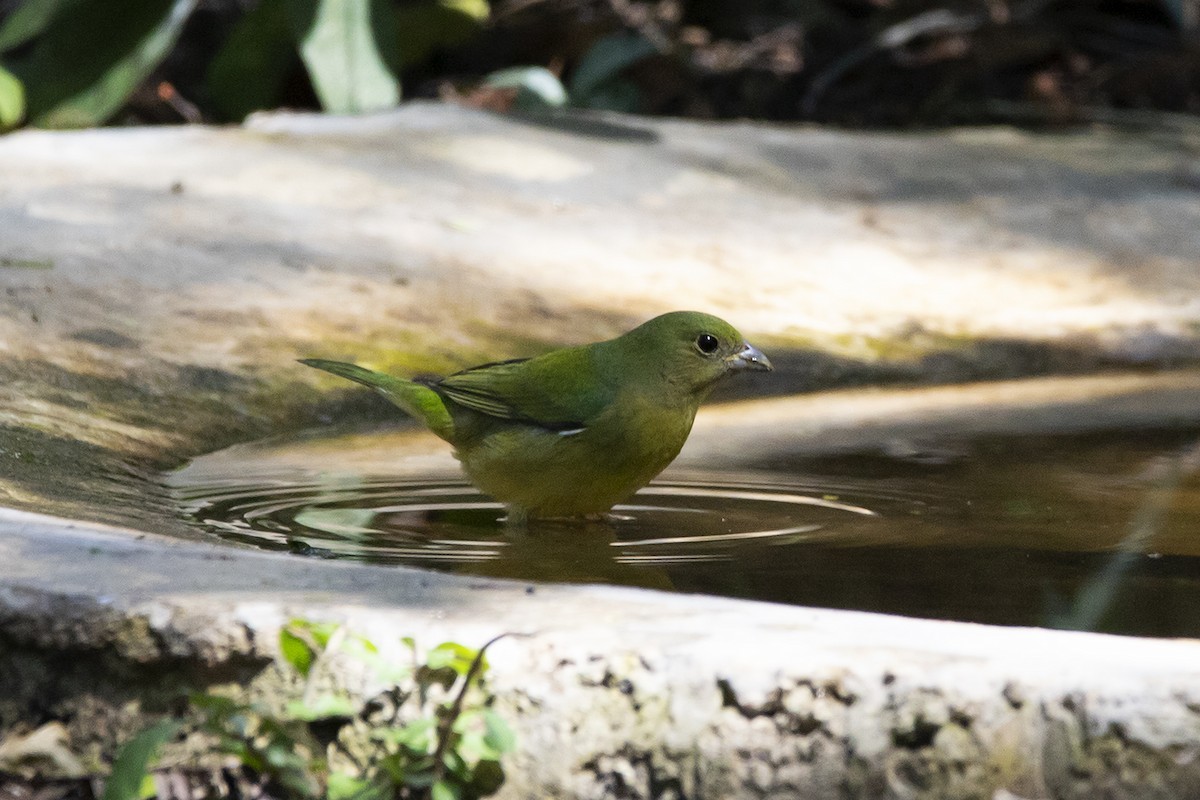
(643, 696)
(159, 283)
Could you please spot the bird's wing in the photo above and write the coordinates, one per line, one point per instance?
(559, 391)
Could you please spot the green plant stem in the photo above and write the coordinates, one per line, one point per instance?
(447, 724)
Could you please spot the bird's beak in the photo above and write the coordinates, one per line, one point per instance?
(749, 357)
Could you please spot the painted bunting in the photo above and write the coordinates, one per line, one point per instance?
(574, 431)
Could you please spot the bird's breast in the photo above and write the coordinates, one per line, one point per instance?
(645, 429)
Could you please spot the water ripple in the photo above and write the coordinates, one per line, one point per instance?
(444, 521)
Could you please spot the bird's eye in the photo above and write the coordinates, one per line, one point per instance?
(707, 343)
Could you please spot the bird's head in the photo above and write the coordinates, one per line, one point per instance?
(692, 350)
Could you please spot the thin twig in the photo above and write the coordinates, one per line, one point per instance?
(447, 724)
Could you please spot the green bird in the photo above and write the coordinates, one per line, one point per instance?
(574, 431)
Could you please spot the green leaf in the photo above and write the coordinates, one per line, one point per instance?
(90, 60)
(349, 49)
(131, 764)
(455, 763)
(249, 71)
(360, 646)
(405, 769)
(416, 735)
(327, 706)
(301, 641)
(445, 790)
(296, 651)
(473, 748)
(341, 786)
(321, 632)
(537, 87)
(87, 62)
(498, 734)
(454, 656)
(28, 20)
(468, 719)
(487, 778)
(606, 59)
(12, 100)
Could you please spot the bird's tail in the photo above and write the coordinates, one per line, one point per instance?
(417, 399)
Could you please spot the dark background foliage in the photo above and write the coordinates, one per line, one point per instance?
(848, 62)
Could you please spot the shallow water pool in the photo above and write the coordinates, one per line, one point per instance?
(1097, 531)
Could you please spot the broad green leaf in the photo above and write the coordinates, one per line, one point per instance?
(313, 636)
(132, 762)
(418, 774)
(249, 71)
(341, 786)
(455, 764)
(498, 734)
(87, 62)
(537, 86)
(604, 62)
(360, 648)
(487, 778)
(455, 656)
(296, 651)
(445, 790)
(472, 748)
(468, 719)
(349, 49)
(321, 632)
(416, 735)
(426, 26)
(12, 100)
(28, 20)
(359, 645)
